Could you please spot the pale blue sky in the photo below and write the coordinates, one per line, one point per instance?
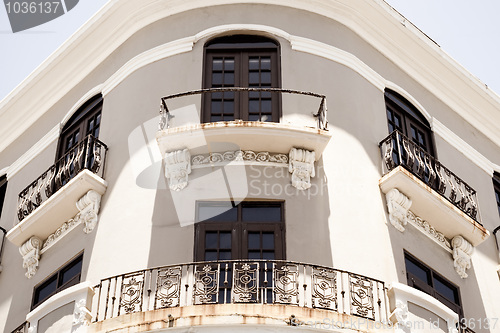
(469, 31)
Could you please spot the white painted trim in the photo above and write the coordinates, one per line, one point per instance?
(410, 98)
(163, 51)
(458, 143)
(254, 28)
(91, 93)
(33, 152)
(3, 171)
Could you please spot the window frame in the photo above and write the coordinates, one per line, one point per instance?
(239, 231)
(496, 189)
(429, 288)
(3, 193)
(79, 121)
(241, 47)
(409, 116)
(57, 275)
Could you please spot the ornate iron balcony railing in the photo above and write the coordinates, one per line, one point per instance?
(321, 115)
(23, 328)
(242, 281)
(398, 149)
(89, 154)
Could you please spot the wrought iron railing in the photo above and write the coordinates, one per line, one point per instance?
(321, 115)
(398, 149)
(23, 328)
(89, 154)
(242, 281)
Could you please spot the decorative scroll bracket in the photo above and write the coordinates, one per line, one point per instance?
(177, 168)
(301, 167)
(31, 255)
(400, 316)
(462, 251)
(88, 205)
(81, 315)
(398, 205)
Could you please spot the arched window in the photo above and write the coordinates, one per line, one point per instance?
(405, 118)
(86, 121)
(241, 61)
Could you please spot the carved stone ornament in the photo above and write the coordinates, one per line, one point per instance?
(88, 205)
(81, 315)
(401, 314)
(462, 251)
(177, 168)
(301, 167)
(398, 205)
(428, 229)
(31, 255)
(239, 155)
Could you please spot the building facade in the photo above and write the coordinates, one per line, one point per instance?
(249, 165)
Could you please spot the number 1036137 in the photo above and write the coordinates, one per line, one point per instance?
(24, 7)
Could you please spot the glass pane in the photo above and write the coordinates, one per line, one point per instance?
(265, 77)
(254, 94)
(265, 63)
(268, 241)
(217, 95)
(90, 125)
(253, 105)
(46, 289)
(217, 64)
(253, 63)
(265, 118)
(228, 107)
(268, 255)
(210, 255)
(254, 255)
(98, 119)
(253, 77)
(225, 240)
(220, 211)
(96, 132)
(228, 118)
(215, 118)
(216, 107)
(445, 289)
(211, 240)
(416, 270)
(71, 272)
(391, 128)
(229, 95)
(261, 214)
(225, 255)
(254, 240)
(229, 79)
(254, 117)
(266, 106)
(397, 121)
(265, 94)
(216, 78)
(229, 64)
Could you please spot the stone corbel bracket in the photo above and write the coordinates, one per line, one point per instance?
(462, 251)
(31, 255)
(177, 168)
(398, 205)
(89, 205)
(301, 166)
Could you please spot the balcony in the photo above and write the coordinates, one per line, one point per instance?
(66, 194)
(250, 292)
(434, 192)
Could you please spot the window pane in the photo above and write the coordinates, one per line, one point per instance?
(229, 79)
(266, 106)
(254, 240)
(217, 64)
(210, 255)
(268, 241)
(46, 289)
(445, 289)
(418, 271)
(211, 240)
(253, 78)
(229, 64)
(265, 63)
(265, 77)
(225, 255)
(253, 106)
(254, 255)
(217, 78)
(268, 255)
(261, 213)
(225, 240)
(254, 117)
(228, 107)
(70, 272)
(253, 63)
(220, 211)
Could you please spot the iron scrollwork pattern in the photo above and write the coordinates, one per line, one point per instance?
(361, 296)
(88, 154)
(168, 287)
(286, 285)
(398, 149)
(245, 282)
(131, 293)
(324, 288)
(206, 286)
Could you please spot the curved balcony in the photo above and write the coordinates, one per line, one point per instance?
(182, 129)
(196, 293)
(435, 193)
(51, 199)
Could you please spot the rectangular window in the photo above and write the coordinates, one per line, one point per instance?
(249, 230)
(67, 276)
(496, 186)
(423, 278)
(3, 190)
